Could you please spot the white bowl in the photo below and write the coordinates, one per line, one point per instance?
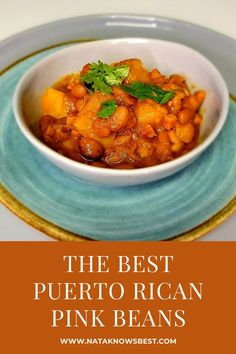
(168, 57)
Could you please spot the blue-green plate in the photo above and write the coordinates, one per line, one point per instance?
(155, 211)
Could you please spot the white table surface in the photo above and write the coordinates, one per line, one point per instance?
(18, 15)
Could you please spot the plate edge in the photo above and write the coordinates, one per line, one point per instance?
(111, 15)
(56, 232)
(34, 220)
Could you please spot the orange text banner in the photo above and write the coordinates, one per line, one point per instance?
(113, 297)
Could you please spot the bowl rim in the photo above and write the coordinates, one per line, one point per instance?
(101, 171)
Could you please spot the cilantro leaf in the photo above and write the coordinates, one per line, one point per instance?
(142, 91)
(107, 109)
(117, 75)
(101, 76)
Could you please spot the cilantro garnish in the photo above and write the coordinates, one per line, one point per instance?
(107, 109)
(101, 76)
(142, 91)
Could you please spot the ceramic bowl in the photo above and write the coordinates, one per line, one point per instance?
(168, 57)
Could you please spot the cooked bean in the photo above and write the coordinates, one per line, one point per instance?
(159, 80)
(185, 132)
(78, 90)
(123, 97)
(154, 74)
(186, 115)
(180, 94)
(119, 119)
(116, 155)
(85, 69)
(175, 104)
(169, 121)
(198, 119)
(70, 105)
(177, 79)
(170, 87)
(102, 127)
(192, 102)
(201, 95)
(91, 148)
(173, 137)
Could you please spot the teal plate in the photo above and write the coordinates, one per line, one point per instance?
(155, 211)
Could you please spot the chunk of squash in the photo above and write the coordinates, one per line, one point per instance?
(53, 103)
(137, 71)
(147, 113)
